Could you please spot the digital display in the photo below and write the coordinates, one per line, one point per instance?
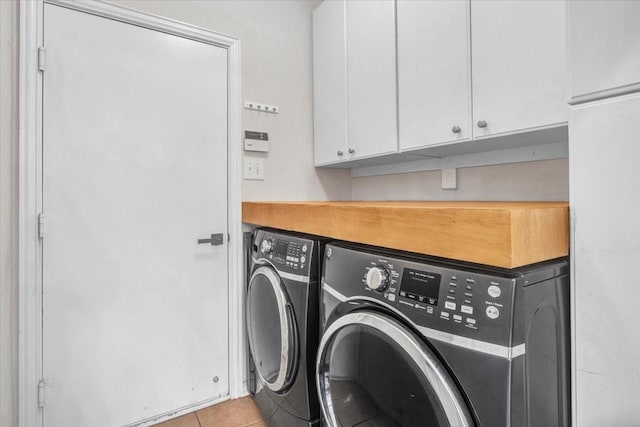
(280, 250)
(421, 286)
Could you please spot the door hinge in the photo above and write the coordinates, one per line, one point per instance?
(41, 225)
(41, 58)
(41, 385)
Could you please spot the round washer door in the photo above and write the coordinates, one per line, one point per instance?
(371, 368)
(271, 327)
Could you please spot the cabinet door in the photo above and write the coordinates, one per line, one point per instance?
(433, 73)
(605, 249)
(371, 78)
(329, 83)
(604, 43)
(519, 65)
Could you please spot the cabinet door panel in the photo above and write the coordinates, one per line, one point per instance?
(604, 39)
(329, 83)
(606, 248)
(371, 78)
(433, 72)
(519, 65)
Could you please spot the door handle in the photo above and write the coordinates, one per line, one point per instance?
(215, 240)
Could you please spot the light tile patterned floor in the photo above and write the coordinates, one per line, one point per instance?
(241, 412)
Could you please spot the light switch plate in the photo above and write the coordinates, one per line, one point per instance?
(449, 179)
(253, 168)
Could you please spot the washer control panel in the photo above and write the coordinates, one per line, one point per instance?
(475, 300)
(288, 253)
(465, 302)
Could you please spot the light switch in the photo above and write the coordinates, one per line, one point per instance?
(253, 168)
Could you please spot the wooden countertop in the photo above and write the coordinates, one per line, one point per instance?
(502, 234)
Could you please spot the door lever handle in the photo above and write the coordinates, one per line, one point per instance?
(215, 240)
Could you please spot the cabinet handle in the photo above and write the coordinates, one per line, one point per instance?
(340, 153)
(456, 129)
(482, 124)
(351, 151)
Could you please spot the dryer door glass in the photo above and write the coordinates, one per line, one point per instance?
(271, 329)
(373, 371)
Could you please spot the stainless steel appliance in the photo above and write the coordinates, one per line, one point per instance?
(417, 341)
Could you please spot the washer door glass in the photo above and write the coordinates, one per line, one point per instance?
(271, 329)
(373, 371)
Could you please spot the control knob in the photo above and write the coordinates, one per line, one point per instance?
(378, 279)
(266, 246)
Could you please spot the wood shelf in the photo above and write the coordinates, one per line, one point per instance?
(501, 234)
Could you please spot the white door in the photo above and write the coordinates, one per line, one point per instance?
(329, 83)
(371, 78)
(134, 173)
(434, 90)
(519, 65)
(604, 154)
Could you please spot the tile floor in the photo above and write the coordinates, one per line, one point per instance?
(241, 412)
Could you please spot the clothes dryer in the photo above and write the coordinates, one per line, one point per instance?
(282, 325)
(416, 341)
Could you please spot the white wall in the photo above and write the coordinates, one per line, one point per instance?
(8, 213)
(540, 180)
(276, 70)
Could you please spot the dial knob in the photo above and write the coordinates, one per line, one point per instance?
(378, 279)
(266, 246)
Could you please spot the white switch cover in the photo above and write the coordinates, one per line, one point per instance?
(449, 179)
(253, 168)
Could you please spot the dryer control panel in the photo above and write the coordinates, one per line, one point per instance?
(289, 254)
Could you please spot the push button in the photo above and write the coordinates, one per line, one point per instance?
(466, 309)
(450, 305)
(492, 312)
(494, 291)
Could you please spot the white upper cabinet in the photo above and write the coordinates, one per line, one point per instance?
(434, 93)
(329, 83)
(519, 63)
(604, 39)
(371, 78)
(437, 78)
(354, 80)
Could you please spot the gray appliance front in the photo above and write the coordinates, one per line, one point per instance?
(476, 325)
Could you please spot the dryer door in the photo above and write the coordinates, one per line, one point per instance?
(371, 368)
(271, 328)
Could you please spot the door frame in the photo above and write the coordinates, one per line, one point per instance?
(30, 191)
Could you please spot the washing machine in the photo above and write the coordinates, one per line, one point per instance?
(282, 325)
(416, 341)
